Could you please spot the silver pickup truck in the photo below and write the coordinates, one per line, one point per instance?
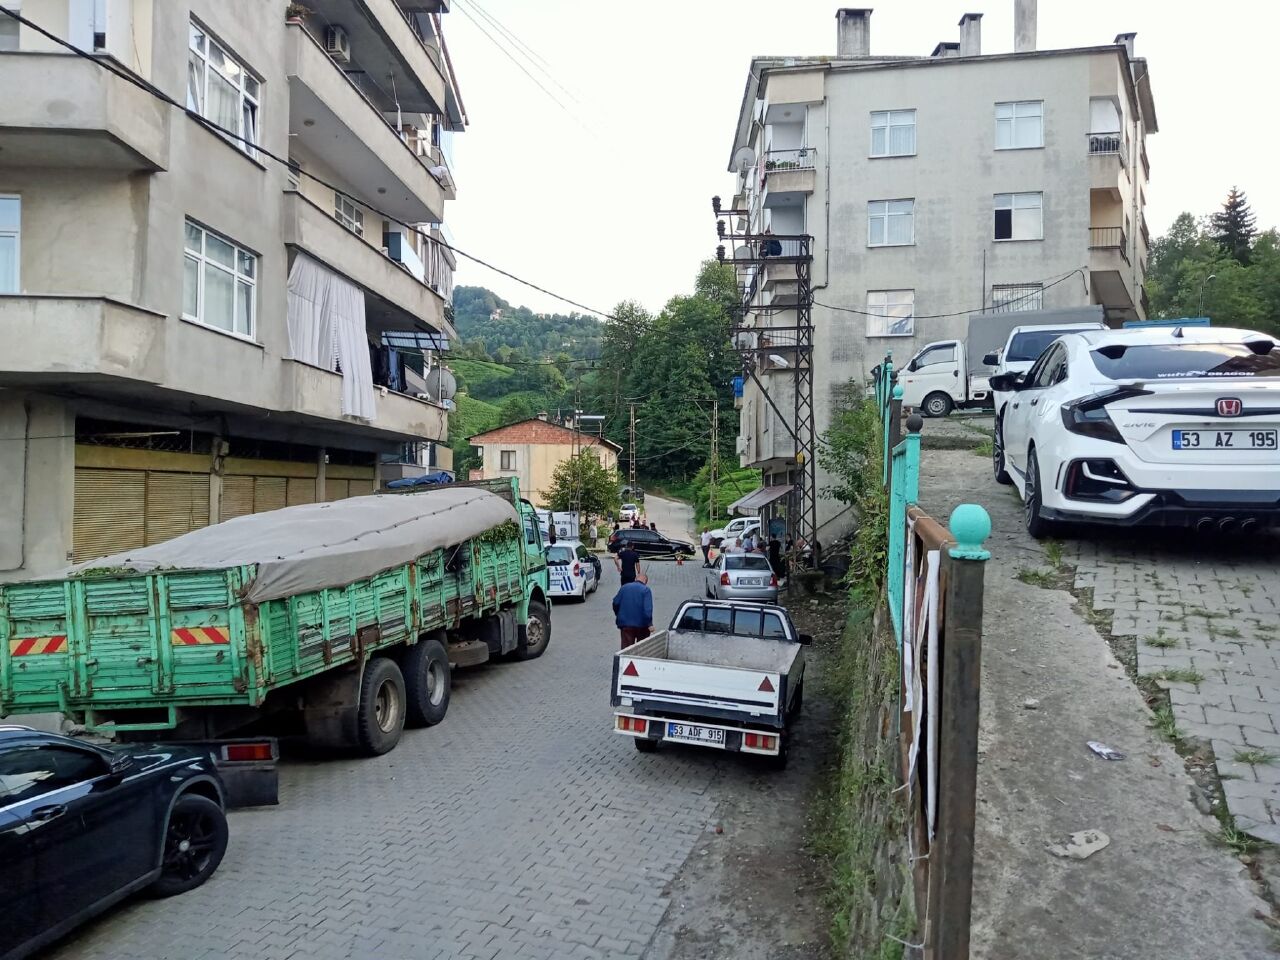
(726, 675)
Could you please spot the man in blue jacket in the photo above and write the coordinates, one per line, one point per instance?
(633, 610)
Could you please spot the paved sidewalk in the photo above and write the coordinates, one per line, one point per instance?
(1209, 608)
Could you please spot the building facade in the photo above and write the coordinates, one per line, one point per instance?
(194, 330)
(929, 188)
(532, 449)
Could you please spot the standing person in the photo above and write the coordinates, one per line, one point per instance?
(775, 557)
(706, 547)
(627, 562)
(653, 527)
(633, 610)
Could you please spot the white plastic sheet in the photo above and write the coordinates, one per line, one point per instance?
(327, 330)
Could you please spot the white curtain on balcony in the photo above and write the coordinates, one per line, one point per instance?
(327, 330)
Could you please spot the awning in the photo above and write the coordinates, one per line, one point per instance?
(756, 499)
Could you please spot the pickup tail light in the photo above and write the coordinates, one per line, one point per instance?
(247, 752)
(760, 741)
(724, 579)
(633, 725)
(1088, 416)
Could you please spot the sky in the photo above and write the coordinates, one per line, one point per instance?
(608, 197)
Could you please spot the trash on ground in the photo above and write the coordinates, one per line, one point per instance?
(1105, 752)
(1031, 703)
(1081, 845)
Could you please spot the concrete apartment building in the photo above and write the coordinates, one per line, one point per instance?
(929, 185)
(193, 331)
(532, 449)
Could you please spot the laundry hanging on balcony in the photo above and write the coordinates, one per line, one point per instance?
(327, 330)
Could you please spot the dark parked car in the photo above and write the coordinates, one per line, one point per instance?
(82, 826)
(650, 543)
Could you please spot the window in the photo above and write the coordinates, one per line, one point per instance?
(773, 627)
(891, 223)
(10, 220)
(219, 285)
(222, 90)
(719, 620)
(1167, 361)
(8, 33)
(1019, 125)
(891, 313)
(1019, 216)
(506, 460)
(559, 556)
(1051, 368)
(893, 133)
(29, 772)
(348, 214)
(1029, 344)
(944, 353)
(736, 561)
(1014, 297)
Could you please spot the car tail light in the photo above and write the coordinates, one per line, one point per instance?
(577, 570)
(724, 580)
(773, 580)
(1097, 479)
(1088, 416)
(759, 741)
(247, 752)
(633, 725)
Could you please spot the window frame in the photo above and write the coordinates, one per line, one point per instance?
(351, 219)
(1023, 300)
(11, 797)
(238, 278)
(1012, 207)
(16, 234)
(950, 345)
(1012, 121)
(888, 127)
(244, 73)
(885, 216)
(884, 329)
(502, 460)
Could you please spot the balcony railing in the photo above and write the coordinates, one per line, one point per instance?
(1109, 238)
(1108, 145)
(763, 247)
(801, 158)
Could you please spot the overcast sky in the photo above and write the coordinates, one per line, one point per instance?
(610, 199)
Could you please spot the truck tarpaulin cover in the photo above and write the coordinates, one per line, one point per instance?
(317, 545)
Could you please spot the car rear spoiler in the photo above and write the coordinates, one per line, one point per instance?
(248, 767)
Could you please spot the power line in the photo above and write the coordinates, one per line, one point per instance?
(958, 313)
(538, 61)
(159, 94)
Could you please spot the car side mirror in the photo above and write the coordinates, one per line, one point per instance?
(804, 639)
(1006, 382)
(991, 360)
(121, 766)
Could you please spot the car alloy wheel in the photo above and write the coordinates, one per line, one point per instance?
(1037, 526)
(997, 455)
(190, 843)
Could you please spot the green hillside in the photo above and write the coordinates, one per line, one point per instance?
(480, 315)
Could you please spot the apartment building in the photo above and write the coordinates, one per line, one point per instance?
(899, 193)
(192, 330)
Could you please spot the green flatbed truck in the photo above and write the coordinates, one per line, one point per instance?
(348, 615)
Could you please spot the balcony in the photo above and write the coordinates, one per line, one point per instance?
(68, 341)
(315, 393)
(73, 113)
(386, 42)
(789, 176)
(1110, 271)
(1108, 161)
(395, 299)
(333, 118)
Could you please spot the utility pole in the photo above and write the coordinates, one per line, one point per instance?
(715, 459)
(575, 466)
(631, 476)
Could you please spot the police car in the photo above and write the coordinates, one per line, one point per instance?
(571, 569)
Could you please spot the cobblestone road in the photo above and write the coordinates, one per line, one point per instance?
(1209, 608)
(521, 827)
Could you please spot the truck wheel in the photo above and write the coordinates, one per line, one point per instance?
(426, 683)
(536, 634)
(646, 746)
(195, 840)
(380, 715)
(937, 405)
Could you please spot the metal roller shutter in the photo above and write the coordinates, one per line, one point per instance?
(271, 493)
(237, 497)
(177, 503)
(358, 488)
(109, 513)
(335, 489)
(301, 490)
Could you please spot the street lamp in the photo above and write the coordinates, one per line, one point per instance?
(1203, 284)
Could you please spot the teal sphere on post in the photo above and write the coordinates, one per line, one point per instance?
(970, 525)
(897, 391)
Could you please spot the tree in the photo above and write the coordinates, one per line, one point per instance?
(1233, 228)
(585, 479)
(517, 408)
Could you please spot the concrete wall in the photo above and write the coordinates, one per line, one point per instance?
(37, 456)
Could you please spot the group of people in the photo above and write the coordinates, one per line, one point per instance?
(753, 542)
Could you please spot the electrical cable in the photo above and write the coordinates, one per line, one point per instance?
(958, 313)
(539, 62)
(257, 148)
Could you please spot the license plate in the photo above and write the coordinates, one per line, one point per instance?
(750, 582)
(709, 736)
(1224, 440)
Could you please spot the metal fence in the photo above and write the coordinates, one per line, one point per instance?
(934, 593)
(800, 158)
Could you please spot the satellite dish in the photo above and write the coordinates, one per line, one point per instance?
(743, 253)
(441, 383)
(744, 158)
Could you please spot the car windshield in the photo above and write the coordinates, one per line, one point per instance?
(628, 506)
(1177, 361)
(559, 554)
(738, 561)
(1030, 344)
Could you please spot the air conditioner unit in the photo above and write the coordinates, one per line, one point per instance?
(742, 444)
(337, 44)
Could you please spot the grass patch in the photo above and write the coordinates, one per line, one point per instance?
(1239, 842)
(1266, 628)
(1161, 640)
(1231, 633)
(1165, 724)
(1037, 578)
(1255, 758)
(985, 449)
(1053, 553)
(1206, 613)
(1177, 675)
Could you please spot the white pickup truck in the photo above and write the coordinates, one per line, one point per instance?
(726, 674)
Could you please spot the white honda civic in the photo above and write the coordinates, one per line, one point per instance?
(1165, 426)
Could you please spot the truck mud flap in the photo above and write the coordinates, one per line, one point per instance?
(249, 768)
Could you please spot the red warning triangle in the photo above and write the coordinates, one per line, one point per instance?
(765, 685)
(631, 670)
